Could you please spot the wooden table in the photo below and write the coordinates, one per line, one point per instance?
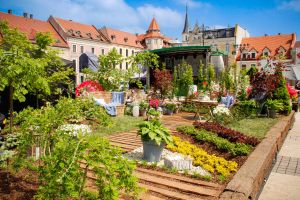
(210, 105)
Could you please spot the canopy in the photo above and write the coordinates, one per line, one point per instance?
(88, 60)
(292, 72)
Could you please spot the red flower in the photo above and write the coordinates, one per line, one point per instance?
(88, 86)
(205, 83)
(291, 90)
(154, 103)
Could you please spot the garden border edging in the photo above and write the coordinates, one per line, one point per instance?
(247, 182)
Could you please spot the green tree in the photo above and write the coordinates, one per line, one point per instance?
(210, 76)
(146, 59)
(201, 77)
(20, 71)
(184, 78)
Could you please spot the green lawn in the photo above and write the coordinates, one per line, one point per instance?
(257, 127)
(120, 124)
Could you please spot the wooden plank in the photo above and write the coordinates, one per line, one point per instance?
(177, 185)
(180, 178)
(169, 193)
(125, 146)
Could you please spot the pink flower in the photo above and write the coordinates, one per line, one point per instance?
(154, 103)
(88, 86)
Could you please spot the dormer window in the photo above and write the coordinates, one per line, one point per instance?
(78, 33)
(244, 55)
(266, 52)
(126, 40)
(89, 35)
(113, 37)
(253, 55)
(281, 51)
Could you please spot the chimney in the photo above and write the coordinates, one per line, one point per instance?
(279, 33)
(25, 15)
(10, 11)
(266, 34)
(136, 34)
(31, 16)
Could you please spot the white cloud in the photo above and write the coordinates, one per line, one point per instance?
(290, 5)
(194, 4)
(112, 13)
(166, 17)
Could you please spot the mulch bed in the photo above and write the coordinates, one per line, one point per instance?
(20, 186)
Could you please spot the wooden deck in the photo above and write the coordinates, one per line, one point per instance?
(162, 185)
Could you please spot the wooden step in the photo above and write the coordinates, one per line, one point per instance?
(177, 185)
(180, 178)
(168, 193)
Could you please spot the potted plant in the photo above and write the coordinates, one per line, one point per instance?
(170, 107)
(273, 106)
(153, 114)
(143, 108)
(154, 137)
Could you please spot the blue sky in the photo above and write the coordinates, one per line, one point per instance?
(257, 16)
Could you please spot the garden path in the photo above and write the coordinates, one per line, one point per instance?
(284, 179)
(162, 185)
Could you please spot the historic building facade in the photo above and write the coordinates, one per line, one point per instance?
(253, 50)
(225, 40)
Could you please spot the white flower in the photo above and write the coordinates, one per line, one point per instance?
(221, 110)
(75, 129)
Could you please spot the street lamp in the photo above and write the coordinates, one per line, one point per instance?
(204, 34)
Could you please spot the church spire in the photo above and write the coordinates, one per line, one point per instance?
(186, 22)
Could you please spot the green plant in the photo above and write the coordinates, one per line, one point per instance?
(183, 79)
(170, 106)
(64, 173)
(153, 114)
(144, 105)
(236, 149)
(154, 130)
(274, 104)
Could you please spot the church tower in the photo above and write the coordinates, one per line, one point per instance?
(185, 32)
(153, 37)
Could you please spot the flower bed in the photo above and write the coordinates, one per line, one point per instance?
(224, 132)
(235, 149)
(211, 163)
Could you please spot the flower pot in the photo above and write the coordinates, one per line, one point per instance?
(135, 111)
(152, 152)
(143, 112)
(272, 113)
(169, 112)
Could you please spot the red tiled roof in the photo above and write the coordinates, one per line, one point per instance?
(32, 26)
(273, 43)
(153, 25)
(121, 37)
(78, 30)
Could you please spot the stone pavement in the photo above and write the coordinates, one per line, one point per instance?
(284, 180)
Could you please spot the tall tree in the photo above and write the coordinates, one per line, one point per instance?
(23, 65)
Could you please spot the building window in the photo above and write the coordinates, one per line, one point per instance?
(126, 52)
(102, 51)
(93, 50)
(244, 55)
(253, 55)
(266, 53)
(74, 48)
(126, 65)
(253, 65)
(244, 67)
(81, 79)
(120, 51)
(81, 49)
(227, 47)
(120, 65)
(155, 41)
(148, 41)
(132, 52)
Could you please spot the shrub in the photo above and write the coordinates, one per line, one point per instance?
(224, 132)
(235, 149)
(211, 163)
(170, 106)
(244, 109)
